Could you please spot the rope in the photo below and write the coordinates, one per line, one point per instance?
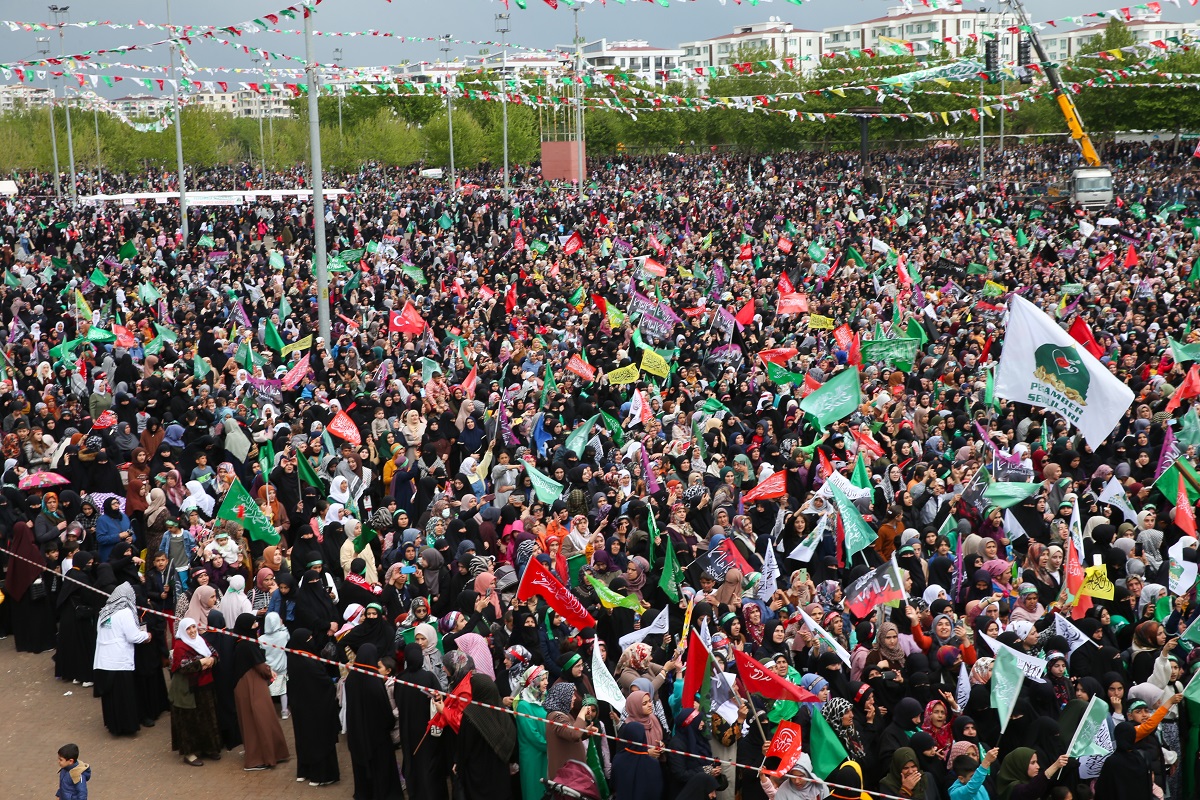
(468, 699)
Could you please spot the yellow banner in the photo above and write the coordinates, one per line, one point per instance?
(655, 364)
(818, 323)
(1000, 288)
(623, 375)
(1097, 584)
(303, 344)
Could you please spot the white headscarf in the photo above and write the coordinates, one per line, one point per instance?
(197, 498)
(333, 513)
(339, 490)
(196, 642)
(235, 603)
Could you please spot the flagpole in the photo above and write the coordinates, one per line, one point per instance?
(753, 711)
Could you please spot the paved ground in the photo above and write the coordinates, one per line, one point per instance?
(37, 716)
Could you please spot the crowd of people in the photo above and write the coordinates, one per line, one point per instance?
(209, 510)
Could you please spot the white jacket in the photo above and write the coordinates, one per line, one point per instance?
(115, 640)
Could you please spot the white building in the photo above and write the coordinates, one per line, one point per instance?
(781, 39)
(19, 97)
(246, 103)
(635, 56)
(1147, 27)
(141, 105)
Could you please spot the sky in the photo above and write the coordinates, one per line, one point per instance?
(538, 26)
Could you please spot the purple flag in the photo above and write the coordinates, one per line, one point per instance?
(1168, 455)
(506, 430)
(648, 472)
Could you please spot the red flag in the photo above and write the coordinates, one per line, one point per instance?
(843, 336)
(343, 427)
(581, 368)
(452, 709)
(792, 304)
(296, 374)
(518, 241)
(987, 348)
(762, 680)
(778, 355)
(573, 243)
(696, 670)
(774, 486)
(855, 354)
(785, 286)
(826, 465)
(510, 298)
(124, 337)
(468, 384)
(1107, 261)
(106, 420)
(654, 268)
(537, 580)
(747, 253)
(1190, 387)
(746, 315)
(785, 244)
(600, 303)
(1131, 257)
(867, 442)
(1081, 333)
(1185, 514)
(407, 320)
(811, 384)
(785, 745)
(902, 275)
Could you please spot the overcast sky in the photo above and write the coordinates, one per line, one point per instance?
(538, 26)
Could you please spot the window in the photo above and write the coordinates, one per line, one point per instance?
(808, 42)
(966, 26)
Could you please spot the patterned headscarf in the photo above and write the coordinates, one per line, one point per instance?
(836, 708)
(458, 664)
(531, 685)
(560, 698)
(519, 656)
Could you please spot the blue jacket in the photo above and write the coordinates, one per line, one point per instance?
(108, 533)
(72, 782)
(972, 789)
(189, 544)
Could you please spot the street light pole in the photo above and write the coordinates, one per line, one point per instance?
(43, 43)
(579, 99)
(320, 265)
(60, 12)
(96, 119)
(262, 147)
(337, 60)
(445, 48)
(503, 26)
(182, 179)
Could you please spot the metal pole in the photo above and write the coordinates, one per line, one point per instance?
(449, 107)
(44, 50)
(503, 27)
(59, 13)
(981, 130)
(579, 99)
(182, 179)
(96, 119)
(1002, 105)
(320, 266)
(337, 60)
(262, 147)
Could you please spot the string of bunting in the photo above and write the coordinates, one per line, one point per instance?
(466, 699)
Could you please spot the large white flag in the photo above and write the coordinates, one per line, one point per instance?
(1043, 366)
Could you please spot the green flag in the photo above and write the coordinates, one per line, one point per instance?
(712, 405)
(826, 749)
(98, 278)
(200, 368)
(272, 338)
(307, 473)
(838, 397)
(276, 260)
(816, 252)
(366, 534)
(916, 330)
(148, 294)
(1007, 678)
(1006, 494)
(1022, 239)
(11, 280)
(206, 241)
(1086, 742)
(781, 376)
(861, 477)
(610, 599)
(240, 507)
(673, 577)
(266, 457)
(1168, 482)
(248, 358)
(166, 333)
(614, 428)
(285, 308)
(856, 257)
(548, 386)
(1183, 353)
(445, 222)
(895, 352)
(153, 347)
(546, 488)
(127, 251)
(858, 533)
(578, 439)
(975, 268)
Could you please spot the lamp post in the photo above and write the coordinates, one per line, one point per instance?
(445, 48)
(579, 99)
(262, 147)
(337, 60)
(503, 26)
(60, 14)
(183, 213)
(43, 44)
(320, 264)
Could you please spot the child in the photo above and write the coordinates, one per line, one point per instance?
(971, 775)
(73, 774)
(274, 633)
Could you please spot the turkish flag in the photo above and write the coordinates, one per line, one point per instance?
(1190, 387)
(1081, 333)
(452, 709)
(785, 286)
(106, 420)
(468, 384)
(1131, 257)
(573, 243)
(698, 657)
(855, 354)
(407, 320)
(654, 268)
(746, 315)
(538, 580)
(344, 428)
(600, 303)
(867, 442)
(826, 464)
(774, 486)
(785, 746)
(1107, 261)
(760, 679)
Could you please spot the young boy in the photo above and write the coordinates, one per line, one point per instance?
(73, 774)
(971, 775)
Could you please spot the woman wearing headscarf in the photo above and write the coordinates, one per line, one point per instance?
(426, 638)
(193, 713)
(50, 523)
(635, 775)
(639, 707)
(28, 591)
(222, 646)
(689, 738)
(424, 772)
(155, 519)
(235, 602)
(312, 702)
(1021, 777)
(486, 740)
(261, 734)
(369, 724)
(204, 599)
(565, 740)
(112, 526)
(117, 633)
(906, 778)
(839, 713)
(531, 729)
(1124, 775)
(76, 607)
(314, 608)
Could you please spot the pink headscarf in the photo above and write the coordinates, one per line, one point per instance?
(476, 647)
(485, 581)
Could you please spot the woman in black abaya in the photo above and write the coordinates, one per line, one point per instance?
(424, 768)
(486, 740)
(223, 683)
(28, 589)
(314, 609)
(312, 702)
(369, 725)
(77, 606)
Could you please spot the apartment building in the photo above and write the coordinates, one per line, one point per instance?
(19, 97)
(635, 56)
(246, 103)
(781, 39)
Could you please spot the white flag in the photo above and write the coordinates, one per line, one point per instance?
(770, 575)
(962, 692)
(1012, 526)
(658, 626)
(825, 638)
(1043, 366)
(1074, 636)
(1033, 667)
(803, 552)
(1114, 495)
(606, 687)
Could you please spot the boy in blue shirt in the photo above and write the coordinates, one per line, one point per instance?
(971, 775)
(73, 774)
